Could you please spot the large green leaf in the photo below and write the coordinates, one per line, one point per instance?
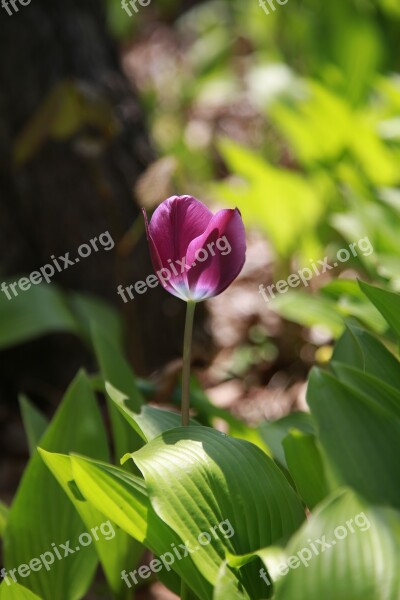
(360, 349)
(306, 467)
(352, 302)
(348, 550)
(274, 432)
(14, 591)
(379, 391)
(150, 421)
(115, 549)
(40, 310)
(199, 478)
(4, 510)
(42, 514)
(386, 302)
(119, 495)
(226, 587)
(209, 414)
(116, 370)
(360, 437)
(35, 424)
(122, 497)
(91, 309)
(44, 309)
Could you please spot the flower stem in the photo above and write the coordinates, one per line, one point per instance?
(185, 406)
(187, 355)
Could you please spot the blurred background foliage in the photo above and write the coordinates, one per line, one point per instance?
(293, 116)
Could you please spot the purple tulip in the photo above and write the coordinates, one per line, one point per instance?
(195, 253)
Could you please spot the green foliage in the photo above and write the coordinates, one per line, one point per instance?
(41, 514)
(115, 553)
(348, 420)
(306, 467)
(224, 499)
(312, 148)
(204, 490)
(35, 423)
(284, 203)
(361, 561)
(44, 309)
(3, 518)
(16, 592)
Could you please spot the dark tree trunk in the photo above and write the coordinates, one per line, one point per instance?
(73, 143)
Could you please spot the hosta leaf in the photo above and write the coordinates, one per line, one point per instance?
(119, 495)
(306, 467)
(358, 348)
(114, 547)
(116, 370)
(274, 432)
(226, 587)
(362, 561)
(150, 421)
(360, 437)
(35, 423)
(90, 309)
(42, 514)
(40, 310)
(386, 302)
(386, 395)
(122, 497)
(16, 592)
(198, 478)
(4, 510)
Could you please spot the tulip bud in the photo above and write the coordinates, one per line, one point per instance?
(196, 254)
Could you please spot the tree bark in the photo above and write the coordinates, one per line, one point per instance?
(73, 142)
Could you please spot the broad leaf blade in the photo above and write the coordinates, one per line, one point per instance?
(4, 510)
(114, 547)
(306, 467)
(361, 439)
(116, 370)
(42, 514)
(362, 561)
(14, 591)
(379, 391)
(360, 349)
(274, 432)
(35, 424)
(39, 311)
(150, 421)
(196, 479)
(226, 587)
(386, 302)
(122, 497)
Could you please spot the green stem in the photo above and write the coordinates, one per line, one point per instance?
(185, 406)
(187, 355)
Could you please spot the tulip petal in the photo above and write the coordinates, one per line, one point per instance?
(167, 283)
(224, 244)
(175, 223)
